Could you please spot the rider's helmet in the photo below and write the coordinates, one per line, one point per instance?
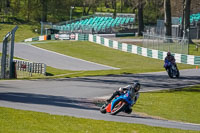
(168, 53)
(136, 86)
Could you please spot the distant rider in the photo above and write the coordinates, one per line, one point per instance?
(170, 58)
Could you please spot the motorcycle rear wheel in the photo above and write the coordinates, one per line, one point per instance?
(103, 109)
(178, 74)
(118, 107)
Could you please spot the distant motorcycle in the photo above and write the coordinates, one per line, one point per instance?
(120, 103)
(171, 69)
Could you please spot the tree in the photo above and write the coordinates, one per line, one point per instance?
(28, 9)
(44, 10)
(16, 9)
(122, 5)
(114, 6)
(185, 29)
(186, 26)
(106, 3)
(167, 12)
(5, 8)
(88, 5)
(141, 4)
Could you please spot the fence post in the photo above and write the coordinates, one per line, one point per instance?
(7, 70)
(3, 59)
(12, 52)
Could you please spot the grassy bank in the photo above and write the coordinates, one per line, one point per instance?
(181, 104)
(23, 32)
(17, 121)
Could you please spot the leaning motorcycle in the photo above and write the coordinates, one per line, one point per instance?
(120, 103)
(171, 69)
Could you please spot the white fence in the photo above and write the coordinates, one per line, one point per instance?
(30, 67)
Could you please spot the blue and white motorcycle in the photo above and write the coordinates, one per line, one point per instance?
(171, 69)
(121, 103)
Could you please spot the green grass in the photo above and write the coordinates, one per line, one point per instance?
(127, 62)
(25, 75)
(18, 121)
(53, 71)
(193, 50)
(181, 104)
(23, 32)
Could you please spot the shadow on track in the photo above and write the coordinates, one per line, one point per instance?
(79, 103)
(150, 80)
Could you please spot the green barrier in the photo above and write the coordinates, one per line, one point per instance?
(53, 37)
(160, 55)
(35, 39)
(124, 34)
(139, 50)
(83, 37)
(149, 53)
(184, 59)
(197, 60)
(119, 46)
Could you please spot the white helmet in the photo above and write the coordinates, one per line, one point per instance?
(120, 89)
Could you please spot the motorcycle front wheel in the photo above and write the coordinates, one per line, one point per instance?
(103, 109)
(170, 73)
(118, 107)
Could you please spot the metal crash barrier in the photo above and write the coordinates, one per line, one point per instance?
(7, 65)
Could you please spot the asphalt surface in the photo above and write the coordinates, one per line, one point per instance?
(75, 96)
(56, 60)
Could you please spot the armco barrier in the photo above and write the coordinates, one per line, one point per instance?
(157, 54)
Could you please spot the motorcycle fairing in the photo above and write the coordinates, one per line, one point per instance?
(125, 97)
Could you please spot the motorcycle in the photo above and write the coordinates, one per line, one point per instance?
(171, 69)
(120, 103)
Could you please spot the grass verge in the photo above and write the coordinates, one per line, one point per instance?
(18, 121)
(180, 104)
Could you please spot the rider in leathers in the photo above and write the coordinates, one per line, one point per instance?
(171, 59)
(122, 90)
